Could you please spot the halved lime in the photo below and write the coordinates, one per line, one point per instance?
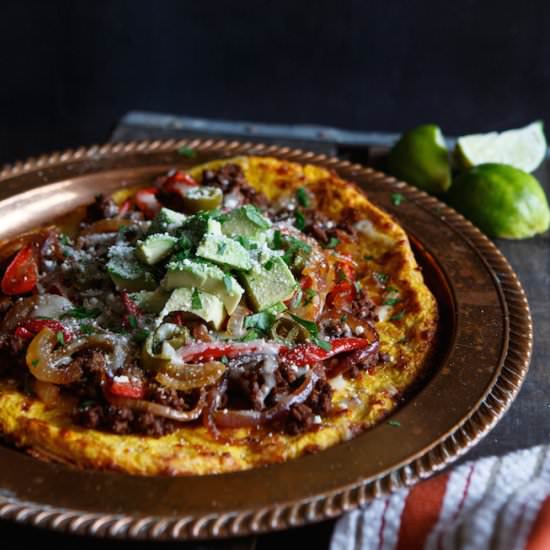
(421, 157)
(523, 148)
(501, 200)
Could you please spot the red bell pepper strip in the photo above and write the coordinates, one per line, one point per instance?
(305, 354)
(33, 326)
(147, 202)
(21, 275)
(125, 387)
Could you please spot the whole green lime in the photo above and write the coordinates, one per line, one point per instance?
(421, 157)
(501, 200)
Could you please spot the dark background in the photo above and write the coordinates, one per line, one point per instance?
(71, 68)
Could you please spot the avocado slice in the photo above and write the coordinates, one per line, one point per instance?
(225, 251)
(265, 287)
(207, 277)
(150, 301)
(192, 300)
(155, 248)
(166, 221)
(245, 221)
(127, 272)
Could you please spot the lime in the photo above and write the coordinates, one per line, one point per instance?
(501, 200)
(421, 157)
(523, 148)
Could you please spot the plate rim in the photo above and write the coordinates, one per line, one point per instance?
(476, 425)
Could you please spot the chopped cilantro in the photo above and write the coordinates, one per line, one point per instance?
(35, 362)
(394, 423)
(268, 266)
(277, 239)
(227, 283)
(185, 151)
(391, 301)
(397, 199)
(357, 286)
(196, 302)
(295, 246)
(132, 321)
(60, 337)
(323, 344)
(332, 243)
(250, 335)
(297, 298)
(368, 257)
(140, 335)
(341, 276)
(299, 220)
(398, 316)
(255, 217)
(302, 196)
(310, 294)
(82, 313)
(261, 322)
(245, 242)
(64, 239)
(309, 325)
(344, 318)
(86, 328)
(221, 248)
(381, 278)
(393, 289)
(279, 307)
(86, 403)
(224, 359)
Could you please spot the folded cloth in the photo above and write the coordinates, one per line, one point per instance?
(496, 502)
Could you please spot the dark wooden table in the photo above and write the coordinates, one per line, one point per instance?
(526, 423)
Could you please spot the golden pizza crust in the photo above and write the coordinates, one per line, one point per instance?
(368, 398)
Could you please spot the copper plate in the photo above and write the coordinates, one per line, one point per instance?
(485, 346)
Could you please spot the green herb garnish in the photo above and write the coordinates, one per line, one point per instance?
(299, 220)
(391, 301)
(196, 302)
(132, 321)
(302, 196)
(140, 336)
(60, 337)
(227, 283)
(260, 322)
(397, 199)
(332, 243)
(368, 258)
(357, 286)
(250, 335)
(224, 359)
(398, 316)
(341, 276)
(64, 240)
(381, 278)
(35, 362)
(310, 294)
(86, 328)
(221, 248)
(394, 423)
(85, 404)
(185, 151)
(277, 239)
(268, 266)
(82, 313)
(255, 217)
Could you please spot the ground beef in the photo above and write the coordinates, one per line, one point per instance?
(230, 179)
(363, 307)
(101, 208)
(299, 419)
(321, 397)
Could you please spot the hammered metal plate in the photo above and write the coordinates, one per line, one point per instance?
(485, 343)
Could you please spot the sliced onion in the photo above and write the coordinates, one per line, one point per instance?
(189, 376)
(248, 418)
(235, 323)
(57, 367)
(159, 410)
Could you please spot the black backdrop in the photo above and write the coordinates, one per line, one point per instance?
(70, 68)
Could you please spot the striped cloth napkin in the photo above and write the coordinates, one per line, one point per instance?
(494, 503)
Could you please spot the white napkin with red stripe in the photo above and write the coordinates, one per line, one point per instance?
(498, 503)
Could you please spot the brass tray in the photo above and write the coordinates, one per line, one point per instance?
(485, 345)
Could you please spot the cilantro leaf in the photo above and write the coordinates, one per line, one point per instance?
(261, 321)
(132, 321)
(82, 313)
(398, 316)
(268, 266)
(186, 152)
(397, 199)
(332, 243)
(255, 217)
(86, 328)
(394, 423)
(299, 220)
(60, 337)
(381, 278)
(196, 302)
(391, 301)
(303, 198)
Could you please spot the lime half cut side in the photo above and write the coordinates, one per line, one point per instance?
(523, 148)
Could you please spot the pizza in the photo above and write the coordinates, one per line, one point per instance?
(245, 312)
